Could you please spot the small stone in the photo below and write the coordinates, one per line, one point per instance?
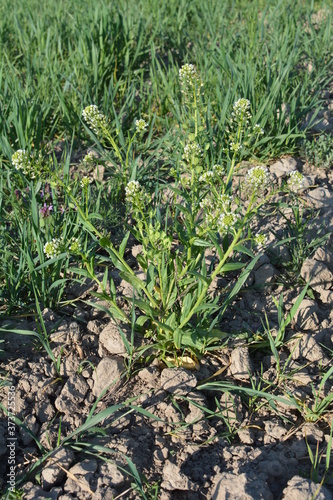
(299, 488)
(239, 486)
(240, 363)
(84, 467)
(283, 167)
(306, 316)
(318, 274)
(309, 349)
(320, 197)
(177, 381)
(173, 479)
(275, 430)
(111, 340)
(53, 475)
(74, 391)
(265, 274)
(108, 374)
(150, 376)
(312, 433)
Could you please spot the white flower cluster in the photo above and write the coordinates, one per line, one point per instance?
(53, 248)
(141, 125)
(295, 181)
(85, 181)
(206, 177)
(257, 130)
(257, 179)
(135, 194)
(21, 160)
(75, 245)
(213, 209)
(89, 158)
(241, 114)
(219, 170)
(190, 81)
(192, 151)
(235, 147)
(260, 239)
(227, 221)
(94, 118)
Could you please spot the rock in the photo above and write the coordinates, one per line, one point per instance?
(173, 479)
(84, 467)
(312, 433)
(299, 488)
(53, 475)
(320, 197)
(177, 381)
(319, 275)
(31, 423)
(239, 486)
(32, 492)
(45, 411)
(283, 167)
(275, 430)
(273, 468)
(309, 349)
(111, 340)
(108, 374)
(69, 365)
(150, 376)
(325, 256)
(265, 274)
(306, 316)
(73, 392)
(240, 363)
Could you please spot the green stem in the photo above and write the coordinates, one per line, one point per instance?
(217, 270)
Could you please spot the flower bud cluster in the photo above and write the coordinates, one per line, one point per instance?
(192, 152)
(227, 222)
(213, 208)
(94, 118)
(53, 248)
(141, 125)
(135, 194)
(207, 177)
(190, 82)
(295, 181)
(257, 180)
(27, 163)
(85, 181)
(75, 246)
(241, 114)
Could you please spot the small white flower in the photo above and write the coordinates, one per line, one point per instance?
(135, 194)
(141, 125)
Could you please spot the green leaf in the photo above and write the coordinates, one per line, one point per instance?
(105, 242)
(232, 266)
(122, 247)
(177, 338)
(133, 280)
(197, 242)
(150, 278)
